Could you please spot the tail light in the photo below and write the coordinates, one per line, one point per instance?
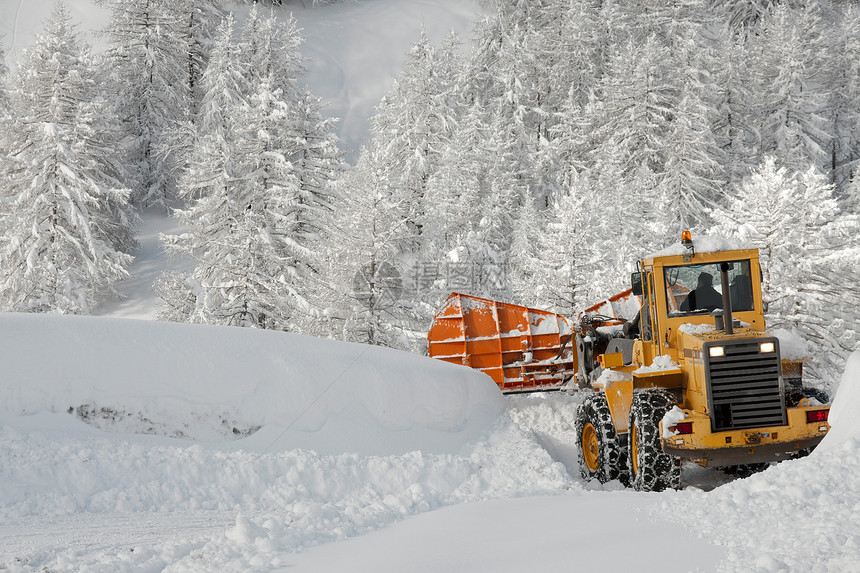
(813, 416)
(682, 427)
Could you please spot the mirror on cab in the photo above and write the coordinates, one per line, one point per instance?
(636, 283)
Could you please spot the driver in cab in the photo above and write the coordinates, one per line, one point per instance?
(704, 296)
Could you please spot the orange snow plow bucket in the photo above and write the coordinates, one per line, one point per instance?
(617, 307)
(521, 349)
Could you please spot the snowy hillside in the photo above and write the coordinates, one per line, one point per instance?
(350, 74)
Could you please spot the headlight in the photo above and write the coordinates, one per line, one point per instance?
(716, 351)
(767, 347)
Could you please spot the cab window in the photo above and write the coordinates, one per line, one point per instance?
(697, 289)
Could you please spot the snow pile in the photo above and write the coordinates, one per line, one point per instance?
(551, 419)
(351, 439)
(796, 516)
(671, 418)
(702, 244)
(245, 504)
(844, 421)
(204, 382)
(688, 328)
(791, 345)
(609, 377)
(661, 363)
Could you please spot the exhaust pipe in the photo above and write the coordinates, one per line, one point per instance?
(728, 321)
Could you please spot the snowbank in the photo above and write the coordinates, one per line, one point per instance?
(211, 383)
(798, 515)
(844, 421)
(75, 498)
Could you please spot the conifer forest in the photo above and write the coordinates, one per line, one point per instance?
(534, 162)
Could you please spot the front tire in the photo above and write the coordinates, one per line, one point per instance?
(650, 468)
(601, 454)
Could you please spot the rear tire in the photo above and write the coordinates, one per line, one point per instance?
(650, 468)
(602, 456)
(744, 470)
(794, 394)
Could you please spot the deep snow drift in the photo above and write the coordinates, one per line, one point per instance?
(206, 382)
(229, 496)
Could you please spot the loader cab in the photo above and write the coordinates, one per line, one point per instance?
(683, 289)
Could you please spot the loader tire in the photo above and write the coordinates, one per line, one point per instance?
(602, 455)
(744, 470)
(650, 468)
(795, 394)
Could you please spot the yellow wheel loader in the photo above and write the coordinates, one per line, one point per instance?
(694, 376)
(678, 367)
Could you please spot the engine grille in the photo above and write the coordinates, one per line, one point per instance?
(744, 387)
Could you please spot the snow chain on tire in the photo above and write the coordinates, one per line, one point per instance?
(602, 455)
(650, 468)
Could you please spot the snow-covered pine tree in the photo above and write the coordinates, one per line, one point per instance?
(742, 15)
(824, 307)
(4, 71)
(734, 126)
(456, 188)
(629, 124)
(561, 252)
(788, 66)
(843, 106)
(270, 52)
(809, 256)
(201, 19)
(148, 60)
(206, 184)
(244, 256)
(575, 49)
(5, 119)
(67, 218)
(197, 23)
(693, 179)
(413, 123)
(225, 90)
(369, 300)
(506, 189)
(761, 212)
(258, 173)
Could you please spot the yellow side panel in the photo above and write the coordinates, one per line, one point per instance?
(619, 395)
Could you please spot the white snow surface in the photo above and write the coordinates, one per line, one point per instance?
(198, 381)
(689, 328)
(217, 449)
(791, 345)
(369, 478)
(659, 364)
(671, 418)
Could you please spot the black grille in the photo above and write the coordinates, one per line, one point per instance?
(744, 386)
